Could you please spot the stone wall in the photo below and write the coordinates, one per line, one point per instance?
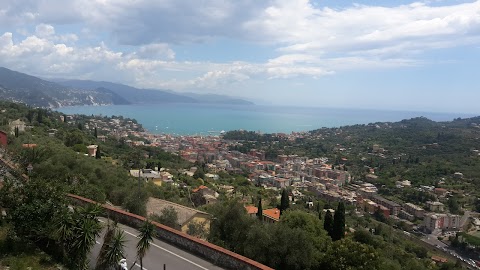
(217, 255)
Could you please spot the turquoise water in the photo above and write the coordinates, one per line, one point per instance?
(189, 119)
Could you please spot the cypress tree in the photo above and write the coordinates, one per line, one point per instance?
(260, 210)
(97, 154)
(328, 222)
(284, 202)
(338, 231)
(95, 132)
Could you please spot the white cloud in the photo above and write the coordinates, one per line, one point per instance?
(301, 27)
(155, 51)
(309, 40)
(44, 30)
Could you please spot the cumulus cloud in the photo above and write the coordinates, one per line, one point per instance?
(171, 21)
(301, 27)
(44, 30)
(308, 40)
(155, 51)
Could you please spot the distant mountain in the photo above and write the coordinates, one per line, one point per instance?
(20, 87)
(153, 96)
(132, 94)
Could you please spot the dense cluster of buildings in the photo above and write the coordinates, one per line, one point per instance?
(302, 173)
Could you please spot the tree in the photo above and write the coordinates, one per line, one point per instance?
(95, 132)
(379, 215)
(40, 116)
(281, 247)
(168, 217)
(328, 223)
(33, 207)
(198, 199)
(136, 202)
(147, 232)
(477, 204)
(85, 232)
(30, 115)
(260, 209)
(284, 202)
(347, 254)
(101, 263)
(198, 229)
(112, 250)
(230, 225)
(453, 205)
(338, 230)
(98, 155)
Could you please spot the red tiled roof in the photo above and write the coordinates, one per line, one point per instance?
(251, 209)
(273, 213)
(199, 188)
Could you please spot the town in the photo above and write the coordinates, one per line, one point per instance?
(301, 175)
(260, 172)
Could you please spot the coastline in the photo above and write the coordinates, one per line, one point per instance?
(202, 119)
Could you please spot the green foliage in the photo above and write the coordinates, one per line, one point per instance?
(477, 204)
(136, 202)
(73, 137)
(147, 232)
(168, 217)
(230, 225)
(260, 209)
(346, 254)
(453, 205)
(328, 223)
(80, 148)
(284, 201)
(338, 230)
(86, 228)
(112, 249)
(34, 206)
(198, 229)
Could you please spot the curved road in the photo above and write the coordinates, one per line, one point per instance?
(160, 253)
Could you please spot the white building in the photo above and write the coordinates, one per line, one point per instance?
(435, 206)
(435, 221)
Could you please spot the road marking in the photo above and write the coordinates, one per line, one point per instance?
(157, 246)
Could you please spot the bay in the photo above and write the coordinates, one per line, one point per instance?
(204, 119)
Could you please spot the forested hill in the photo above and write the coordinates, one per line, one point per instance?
(417, 149)
(20, 87)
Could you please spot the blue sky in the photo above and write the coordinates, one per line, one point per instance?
(397, 55)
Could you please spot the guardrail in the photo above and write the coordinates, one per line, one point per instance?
(217, 255)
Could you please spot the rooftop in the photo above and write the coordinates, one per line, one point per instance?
(251, 209)
(273, 213)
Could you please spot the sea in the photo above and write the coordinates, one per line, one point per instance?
(211, 119)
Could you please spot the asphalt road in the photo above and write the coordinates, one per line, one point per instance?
(160, 253)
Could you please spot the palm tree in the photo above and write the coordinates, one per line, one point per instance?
(147, 232)
(85, 231)
(112, 250)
